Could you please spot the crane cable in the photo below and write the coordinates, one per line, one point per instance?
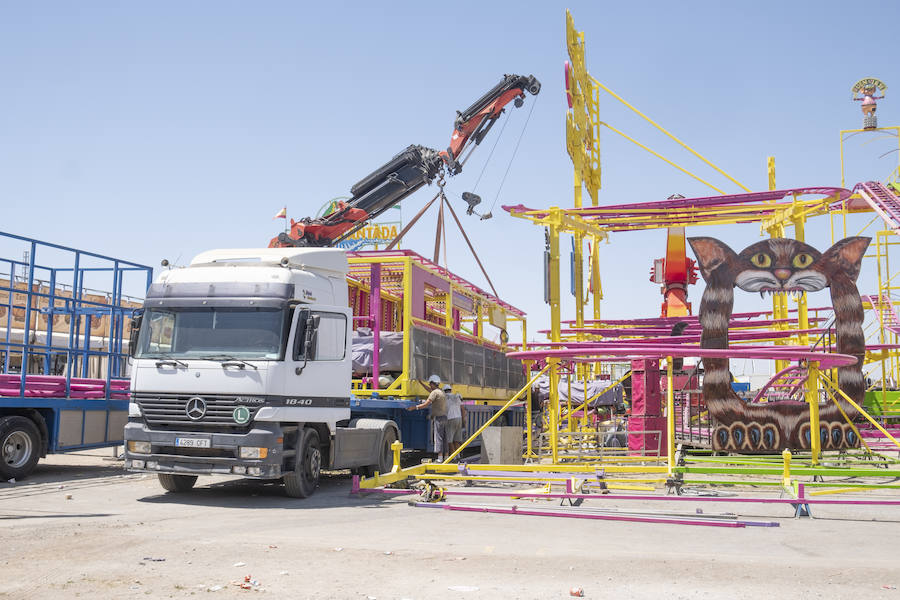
(494, 147)
(511, 158)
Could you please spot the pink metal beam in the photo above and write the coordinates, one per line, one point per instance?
(592, 349)
(515, 510)
(692, 339)
(665, 207)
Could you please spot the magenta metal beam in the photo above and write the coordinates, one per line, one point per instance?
(375, 313)
(689, 318)
(664, 207)
(515, 510)
(695, 338)
(664, 330)
(594, 349)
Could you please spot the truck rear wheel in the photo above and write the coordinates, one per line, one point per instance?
(303, 480)
(19, 446)
(385, 454)
(177, 483)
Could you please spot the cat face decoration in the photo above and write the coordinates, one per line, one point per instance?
(780, 266)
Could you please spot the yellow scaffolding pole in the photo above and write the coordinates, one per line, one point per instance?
(661, 157)
(509, 403)
(665, 131)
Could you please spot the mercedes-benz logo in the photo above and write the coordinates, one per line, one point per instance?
(196, 408)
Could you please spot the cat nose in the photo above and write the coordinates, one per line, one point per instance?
(782, 273)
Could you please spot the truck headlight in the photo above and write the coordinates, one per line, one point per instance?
(252, 452)
(139, 447)
(134, 409)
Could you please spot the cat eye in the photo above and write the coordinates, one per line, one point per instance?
(761, 260)
(803, 260)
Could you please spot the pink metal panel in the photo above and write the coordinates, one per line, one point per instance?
(646, 399)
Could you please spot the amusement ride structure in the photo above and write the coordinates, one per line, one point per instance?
(838, 359)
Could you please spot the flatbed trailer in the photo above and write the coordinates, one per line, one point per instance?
(64, 329)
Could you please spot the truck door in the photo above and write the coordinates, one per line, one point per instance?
(319, 358)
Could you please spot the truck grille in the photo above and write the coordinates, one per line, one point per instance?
(170, 412)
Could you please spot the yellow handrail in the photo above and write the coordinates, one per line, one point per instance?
(598, 394)
(515, 397)
(860, 409)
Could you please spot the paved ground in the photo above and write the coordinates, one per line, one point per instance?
(121, 536)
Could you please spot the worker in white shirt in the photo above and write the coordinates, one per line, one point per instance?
(456, 418)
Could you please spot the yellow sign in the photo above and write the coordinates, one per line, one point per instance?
(497, 317)
(373, 234)
(583, 120)
(868, 87)
(376, 232)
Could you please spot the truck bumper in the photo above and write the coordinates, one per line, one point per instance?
(221, 458)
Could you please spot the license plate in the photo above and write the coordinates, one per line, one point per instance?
(192, 442)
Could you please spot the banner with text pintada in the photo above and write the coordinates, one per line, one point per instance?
(376, 235)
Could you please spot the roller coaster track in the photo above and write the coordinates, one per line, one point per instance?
(887, 315)
(883, 200)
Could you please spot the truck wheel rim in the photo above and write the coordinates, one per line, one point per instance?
(16, 449)
(314, 463)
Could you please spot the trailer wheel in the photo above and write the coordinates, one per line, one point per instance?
(177, 483)
(19, 446)
(385, 454)
(303, 480)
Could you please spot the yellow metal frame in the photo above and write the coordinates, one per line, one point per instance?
(440, 305)
(895, 129)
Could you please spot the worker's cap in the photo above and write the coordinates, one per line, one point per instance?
(434, 379)
(447, 387)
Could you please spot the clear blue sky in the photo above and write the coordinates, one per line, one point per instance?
(160, 129)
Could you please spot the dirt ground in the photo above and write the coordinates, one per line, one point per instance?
(81, 527)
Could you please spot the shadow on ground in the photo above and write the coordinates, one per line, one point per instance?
(64, 473)
(333, 491)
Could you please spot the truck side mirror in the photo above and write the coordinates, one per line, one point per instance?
(310, 329)
(134, 333)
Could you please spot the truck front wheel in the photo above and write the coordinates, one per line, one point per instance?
(177, 483)
(303, 480)
(19, 446)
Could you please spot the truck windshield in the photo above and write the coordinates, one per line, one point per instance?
(212, 332)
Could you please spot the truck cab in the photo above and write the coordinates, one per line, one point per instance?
(242, 366)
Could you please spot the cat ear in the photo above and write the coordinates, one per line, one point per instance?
(711, 254)
(845, 256)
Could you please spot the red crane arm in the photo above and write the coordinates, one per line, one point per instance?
(473, 123)
(408, 171)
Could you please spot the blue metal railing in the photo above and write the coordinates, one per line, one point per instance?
(22, 282)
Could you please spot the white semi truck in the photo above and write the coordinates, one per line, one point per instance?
(242, 365)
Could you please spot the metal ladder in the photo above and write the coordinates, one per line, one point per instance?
(884, 308)
(883, 201)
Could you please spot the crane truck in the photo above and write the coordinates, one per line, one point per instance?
(243, 360)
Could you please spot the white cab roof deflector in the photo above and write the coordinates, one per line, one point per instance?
(333, 260)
